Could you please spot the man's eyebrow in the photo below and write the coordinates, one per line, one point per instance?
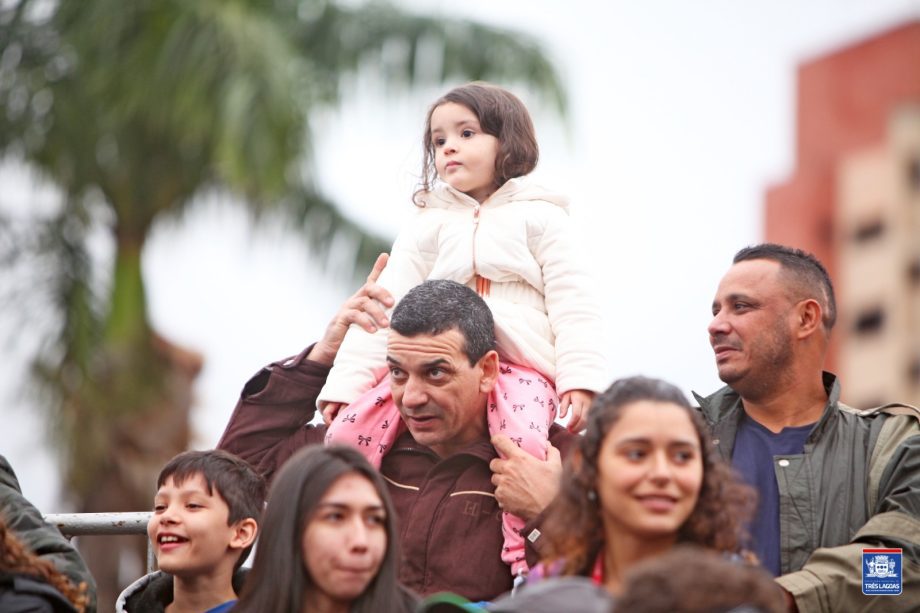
(644, 440)
(732, 297)
(740, 296)
(333, 504)
(631, 439)
(439, 362)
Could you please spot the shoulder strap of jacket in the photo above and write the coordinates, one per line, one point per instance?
(892, 408)
(892, 434)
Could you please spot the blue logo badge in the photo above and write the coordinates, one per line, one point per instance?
(881, 572)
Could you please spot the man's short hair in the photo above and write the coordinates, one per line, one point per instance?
(436, 306)
(808, 277)
(233, 479)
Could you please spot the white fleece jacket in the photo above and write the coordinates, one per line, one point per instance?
(520, 238)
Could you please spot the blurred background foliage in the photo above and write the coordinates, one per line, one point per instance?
(133, 111)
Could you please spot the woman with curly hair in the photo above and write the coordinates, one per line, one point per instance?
(643, 479)
(29, 583)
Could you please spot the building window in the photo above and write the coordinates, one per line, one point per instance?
(869, 403)
(868, 231)
(913, 370)
(913, 272)
(913, 173)
(870, 321)
(824, 231)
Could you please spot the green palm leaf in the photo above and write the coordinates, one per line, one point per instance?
(134, 109)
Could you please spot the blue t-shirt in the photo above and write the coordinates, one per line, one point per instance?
(753, 457)
(222, 608)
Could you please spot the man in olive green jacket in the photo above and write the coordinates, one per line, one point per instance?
(846, 480)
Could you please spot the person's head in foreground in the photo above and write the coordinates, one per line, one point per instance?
(328, 539)
(689, 579)
(643, 478)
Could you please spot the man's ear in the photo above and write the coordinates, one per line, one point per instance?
(488, 365)
(809, 318)
(244, 533)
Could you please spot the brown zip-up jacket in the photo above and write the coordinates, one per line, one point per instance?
(448, 519)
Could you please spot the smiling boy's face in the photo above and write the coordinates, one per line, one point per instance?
(189, 529)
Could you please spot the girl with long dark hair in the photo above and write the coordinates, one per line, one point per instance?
(328, 540)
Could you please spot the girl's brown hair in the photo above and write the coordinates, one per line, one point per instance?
(500, 114)
(16, 559)
(573, 527)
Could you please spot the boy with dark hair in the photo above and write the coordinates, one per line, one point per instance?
(204, 523)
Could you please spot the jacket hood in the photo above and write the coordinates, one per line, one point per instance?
(545, 596)
(153, 592)
(22, 593)
(515, 190)
(557, 594)
(153, 588)
(481, 449)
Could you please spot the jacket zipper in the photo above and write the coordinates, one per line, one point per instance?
(475, 229)
(482, 285)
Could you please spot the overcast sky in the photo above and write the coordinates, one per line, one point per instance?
(681, 114)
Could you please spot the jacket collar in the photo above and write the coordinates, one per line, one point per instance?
(445, 195)
(154, 592)
(724, 407)
(520, 189)
(27, 585)
(480, 449)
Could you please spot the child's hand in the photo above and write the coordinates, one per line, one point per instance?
(581, 402)
(330, 410)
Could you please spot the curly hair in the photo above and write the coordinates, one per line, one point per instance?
(573, 528)
(15, 558)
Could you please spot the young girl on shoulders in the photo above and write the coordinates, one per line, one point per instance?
(478, 222)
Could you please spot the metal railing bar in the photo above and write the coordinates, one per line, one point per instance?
(101, 524)
(80, 524)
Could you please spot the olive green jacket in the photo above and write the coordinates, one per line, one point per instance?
(857, 485)
(39, 536)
